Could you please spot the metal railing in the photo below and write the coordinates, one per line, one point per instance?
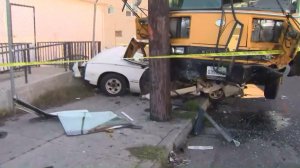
(50, 51)
(20, 54)
(47, 51)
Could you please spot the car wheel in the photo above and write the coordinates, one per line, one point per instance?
(113, 85)
(271, 88)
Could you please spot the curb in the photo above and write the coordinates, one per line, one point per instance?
(177, 138)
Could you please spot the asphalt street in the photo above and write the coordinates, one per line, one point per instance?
(268, 130)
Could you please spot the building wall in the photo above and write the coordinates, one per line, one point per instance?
(56, 20)
(117, 21)
(69, 20)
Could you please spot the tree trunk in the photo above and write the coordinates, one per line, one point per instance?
(159, 42)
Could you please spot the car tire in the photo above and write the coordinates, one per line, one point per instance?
(271, 88)
(113, 85)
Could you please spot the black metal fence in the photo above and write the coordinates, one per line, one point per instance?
(50, 51)
(20, 55)
(47, 51)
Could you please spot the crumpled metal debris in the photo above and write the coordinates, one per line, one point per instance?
(175, 161)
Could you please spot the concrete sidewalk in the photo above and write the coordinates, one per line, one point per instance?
(41, 80)
(38, 74)
(36, 143)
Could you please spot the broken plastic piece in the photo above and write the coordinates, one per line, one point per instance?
(237, 143)
(201, 147)
(127, 116)
(81, 122)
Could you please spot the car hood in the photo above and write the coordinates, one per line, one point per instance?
(110, 56)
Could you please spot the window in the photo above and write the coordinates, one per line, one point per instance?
(118, 33)
(194, 4)
(180, 27)
(111, 9)
(269, 5)
(266, 30)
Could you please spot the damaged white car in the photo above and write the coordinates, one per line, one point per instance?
(120, 69)
(113, 74)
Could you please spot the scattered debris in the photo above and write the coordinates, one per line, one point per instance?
(284, 97)
(236, 143)
(81, 122)
(278, 121)
(32, 109)
(146, 97)
(177, 92)
(3, 134)
(222, 132)
(175, 161)
(78, 98)
(183, 91)
(127, 116)
(201, 147)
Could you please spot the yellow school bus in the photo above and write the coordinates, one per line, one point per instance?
(210, 26)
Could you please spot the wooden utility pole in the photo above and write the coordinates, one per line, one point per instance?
(159, 43)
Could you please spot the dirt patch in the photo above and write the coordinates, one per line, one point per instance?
(63, 95)
(8, 114)
(3, 113)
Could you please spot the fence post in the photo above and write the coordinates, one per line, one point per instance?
(65, 48)
(28, 58)
(99, 47)
(25, 67)
(70, 53)
(37, 53)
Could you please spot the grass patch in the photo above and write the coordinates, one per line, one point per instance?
(147, 152)
(4, 112)
(152, 153)
(62, 96)
(191, 105)
(190, 110)
(184, 114)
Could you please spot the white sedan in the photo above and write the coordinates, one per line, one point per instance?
(111, 72)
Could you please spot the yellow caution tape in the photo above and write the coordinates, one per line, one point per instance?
(192, 56)
(223, 54)
(15, 64)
